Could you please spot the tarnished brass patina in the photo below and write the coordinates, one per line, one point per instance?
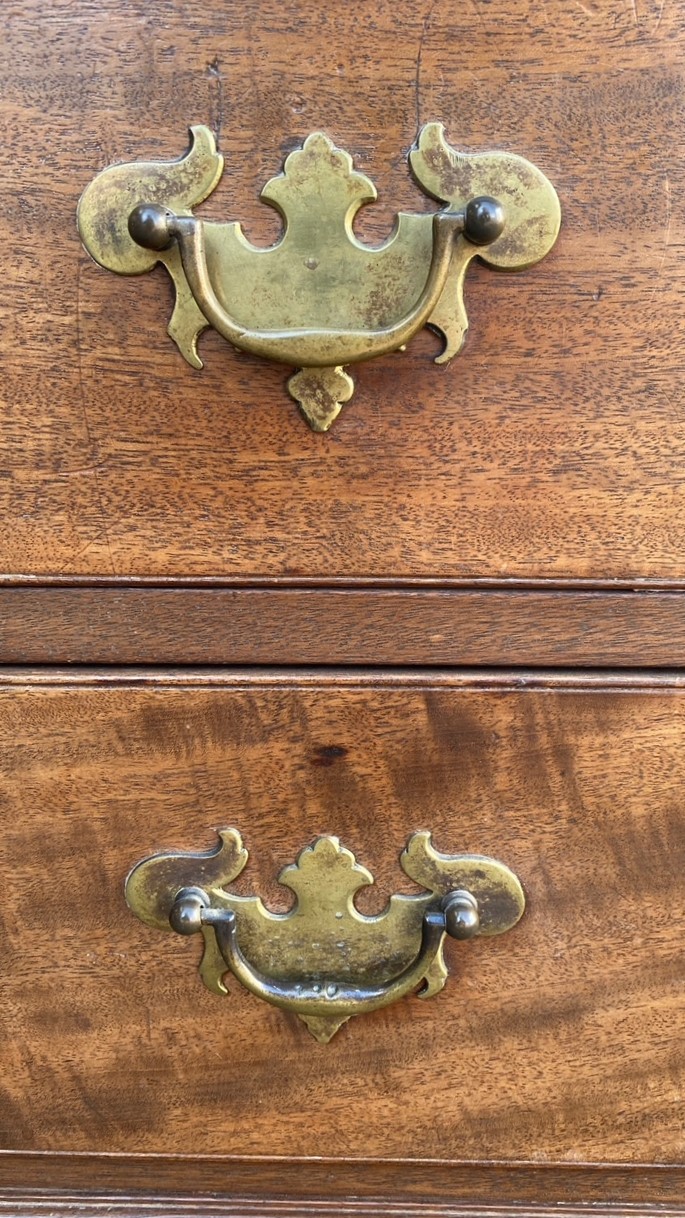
(319, 298)
(323, 959)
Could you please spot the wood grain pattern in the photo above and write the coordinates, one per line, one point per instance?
(558, 1042)
(385, 1183)
(550, 453)
(553, 447)
(381, 627)
(56, 1204)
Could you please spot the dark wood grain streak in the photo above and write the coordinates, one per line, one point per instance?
(262, 626)
(554, 446)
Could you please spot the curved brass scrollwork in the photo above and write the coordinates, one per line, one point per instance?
(319, 298)
(323, 959)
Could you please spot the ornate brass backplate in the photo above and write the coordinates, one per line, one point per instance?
(319, 298)
(323, 959)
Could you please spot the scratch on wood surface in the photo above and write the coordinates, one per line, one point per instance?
(86, 424)
(633, 7)
(66, 567)
(479, 16)
(667, 223)
(256, 72)
(659, 15)
(419, 57)
(665, 239)
(214, 70)
(78, 473)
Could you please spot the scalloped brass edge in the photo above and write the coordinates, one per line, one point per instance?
(319, 299)
(323, 959)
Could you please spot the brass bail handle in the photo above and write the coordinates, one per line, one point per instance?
(154, 227)
(320, 299)
(456, 915)
(324, 960)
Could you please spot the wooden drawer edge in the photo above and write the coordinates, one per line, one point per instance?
(122, 1185)
(341, 626)
(248, 677)
(59, 1204)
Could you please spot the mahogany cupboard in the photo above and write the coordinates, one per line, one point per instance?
(460, 610)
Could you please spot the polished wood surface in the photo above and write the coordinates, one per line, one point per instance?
(554, 446)
(559, 1041)
(340, 626)
(518, 508)
(129, 1204)
(393, 1186)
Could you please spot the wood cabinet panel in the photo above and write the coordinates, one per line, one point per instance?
(233, 1187)
(340, 626)
(559, 1041)
(554, 445)
(521, 507)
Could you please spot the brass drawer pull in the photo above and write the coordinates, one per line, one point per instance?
(319, 298)
(323, 959)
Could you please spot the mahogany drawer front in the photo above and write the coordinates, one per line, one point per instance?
(552, 448)
(559, 1041)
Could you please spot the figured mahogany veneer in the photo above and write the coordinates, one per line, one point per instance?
(562, 1036)
(522, 509)
(553, 447)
